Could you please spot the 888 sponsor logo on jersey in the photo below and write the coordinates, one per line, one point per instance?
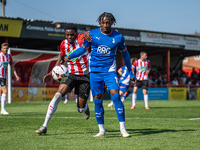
(103, 50)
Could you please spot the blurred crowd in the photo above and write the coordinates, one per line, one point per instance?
(158, 77)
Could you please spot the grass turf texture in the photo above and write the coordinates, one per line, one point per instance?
(166, 125)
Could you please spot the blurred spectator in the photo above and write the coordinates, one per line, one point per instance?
(194, 74)
(33, 80)
(198, 83)
(183, 79)
(175, 81)
(150, 81)
(164, 81)
(159, 81)
(25, 78)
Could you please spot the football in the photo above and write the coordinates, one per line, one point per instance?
(60, 73)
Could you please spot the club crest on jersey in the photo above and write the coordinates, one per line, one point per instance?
(4, 64)
(103, 49)
(113, 41)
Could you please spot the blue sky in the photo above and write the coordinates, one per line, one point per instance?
(176, 16)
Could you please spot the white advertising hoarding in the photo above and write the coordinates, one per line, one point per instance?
(162, 38)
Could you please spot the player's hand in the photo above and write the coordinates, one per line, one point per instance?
(46, 77)
(17, 78)
(147, 72)
(87, 36)
(67, 59)
(134, 80)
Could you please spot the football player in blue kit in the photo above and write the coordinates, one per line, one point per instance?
(104, 44)
(124, 82)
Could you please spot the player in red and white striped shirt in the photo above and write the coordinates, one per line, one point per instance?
(5, 59)
(78, 77)
(142, 68)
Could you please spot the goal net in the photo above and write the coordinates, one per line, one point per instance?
(31, 66)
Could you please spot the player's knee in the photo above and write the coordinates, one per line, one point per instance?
(83, 96)
(57, 96)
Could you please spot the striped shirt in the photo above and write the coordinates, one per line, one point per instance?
(4, 61)
(141, 68)
(79, 65)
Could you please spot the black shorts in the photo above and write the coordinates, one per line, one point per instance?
(143, 84)
(2, 82)
(81, 83)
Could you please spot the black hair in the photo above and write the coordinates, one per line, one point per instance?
(71, 26)
(109, 15)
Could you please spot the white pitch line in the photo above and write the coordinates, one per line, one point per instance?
(194, 119)
(137, 118)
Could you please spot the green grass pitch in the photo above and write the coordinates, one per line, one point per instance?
(166, 125)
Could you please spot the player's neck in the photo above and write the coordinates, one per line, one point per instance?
(106, 32)
(142, 59)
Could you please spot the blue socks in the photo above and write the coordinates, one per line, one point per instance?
(119, 107)
(99, 111)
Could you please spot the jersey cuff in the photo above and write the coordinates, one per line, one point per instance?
(123, 50)
(85, 47)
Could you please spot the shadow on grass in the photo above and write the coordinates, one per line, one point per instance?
(153, 131)
(174, 107)
(132, 132)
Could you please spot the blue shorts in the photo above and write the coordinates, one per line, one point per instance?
(123, 87)
(98, 79)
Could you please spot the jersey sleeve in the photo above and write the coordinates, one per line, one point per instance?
(149, 66)
(122, 45)
(11, 62)
(80, 39)
(134, 64)
(62, 48)
(86, 44)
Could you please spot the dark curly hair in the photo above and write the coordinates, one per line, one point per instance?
(109, 15)
(71, 26)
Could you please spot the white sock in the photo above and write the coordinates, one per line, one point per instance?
(52, 108)
(122, 99)
(0, 98)
(146, 100)
(3, 101)
(134, 97)
(81, 110)
(66, 97)
(101, 128)
(111, 103)
(122, 126)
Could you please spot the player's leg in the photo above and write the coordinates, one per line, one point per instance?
(144, 90)
(66, 98)
(134, 95)
(112, 83)
(0, 93)
(3, 98)
(82, 89)
(64, 88)
(126, 93)
(97, 88)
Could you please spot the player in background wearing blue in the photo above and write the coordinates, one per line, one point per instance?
(104, 44)
(124, 82)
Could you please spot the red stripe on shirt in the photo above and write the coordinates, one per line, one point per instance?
(78, 62)
(3, 68)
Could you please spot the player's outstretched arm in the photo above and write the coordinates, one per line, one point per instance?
(48, 75)
(78, 52)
